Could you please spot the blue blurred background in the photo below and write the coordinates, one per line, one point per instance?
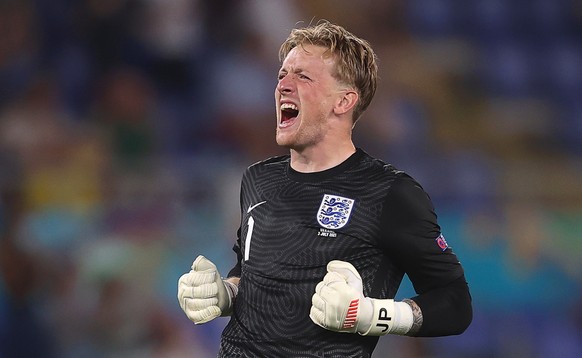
(125, 127)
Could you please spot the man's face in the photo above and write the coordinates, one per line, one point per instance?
(305, 96)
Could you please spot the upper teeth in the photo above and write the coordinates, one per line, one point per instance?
(289, 106)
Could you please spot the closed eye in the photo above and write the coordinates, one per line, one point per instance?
(299, 75)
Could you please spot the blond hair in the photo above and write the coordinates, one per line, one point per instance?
(356, 61)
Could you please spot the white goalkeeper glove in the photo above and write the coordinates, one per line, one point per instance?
(202, 293)
(339, 305)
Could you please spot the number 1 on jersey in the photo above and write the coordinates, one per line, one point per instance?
(248, 238)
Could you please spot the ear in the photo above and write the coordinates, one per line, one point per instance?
(346, 102)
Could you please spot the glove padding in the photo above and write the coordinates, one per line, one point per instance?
(338, 303)
(202, 293)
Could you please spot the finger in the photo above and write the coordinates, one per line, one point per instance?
(317, 316)
(182, 301)
(341, 292)
(319, 286)
(181, 287)
(333, 277)
(205, 291)
(202, 264)
(318, 302)
(204, 315)
(329, 293)
(197, 278)
(330, 277)
(346, 270)
(198, 304)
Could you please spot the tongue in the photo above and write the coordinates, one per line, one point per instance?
(287, 120)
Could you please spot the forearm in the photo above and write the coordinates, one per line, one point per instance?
(443, 311)
(417, 318)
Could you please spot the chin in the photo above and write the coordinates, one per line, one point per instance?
(282, 143)
(281, 138)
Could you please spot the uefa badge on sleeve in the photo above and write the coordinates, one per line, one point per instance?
(334, 211)
(440, 240)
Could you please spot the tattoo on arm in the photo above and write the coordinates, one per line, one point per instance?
(417, 317)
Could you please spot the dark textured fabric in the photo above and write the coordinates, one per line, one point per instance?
(387, 228)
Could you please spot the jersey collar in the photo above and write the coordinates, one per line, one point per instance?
(325, 174)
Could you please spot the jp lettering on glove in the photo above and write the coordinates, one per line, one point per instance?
(203, 294)
(339, 305)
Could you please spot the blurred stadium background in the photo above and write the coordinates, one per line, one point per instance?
(125, 126)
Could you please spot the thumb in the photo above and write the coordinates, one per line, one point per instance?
(347, 271)
(203, 264)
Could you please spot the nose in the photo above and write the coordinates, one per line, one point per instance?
(285, 85)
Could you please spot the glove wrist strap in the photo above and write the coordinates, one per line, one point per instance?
(390, 317)
(232, 291)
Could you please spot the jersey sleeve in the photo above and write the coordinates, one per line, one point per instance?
(415, 242)
(237, 269)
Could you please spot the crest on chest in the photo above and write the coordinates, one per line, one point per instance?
(334, 211)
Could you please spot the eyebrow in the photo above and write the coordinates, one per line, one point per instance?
(295, 70)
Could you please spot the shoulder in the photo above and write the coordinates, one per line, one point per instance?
(402, 187)
(409, 196)
(269, 164)
(378, 169)
(280, 160)
(400, 178)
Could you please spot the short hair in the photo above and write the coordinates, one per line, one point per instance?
(356, 61)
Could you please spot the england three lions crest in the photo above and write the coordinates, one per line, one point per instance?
(334, 211)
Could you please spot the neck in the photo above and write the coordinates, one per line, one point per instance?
(316, 159)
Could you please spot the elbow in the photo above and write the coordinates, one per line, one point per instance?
(465, 317)
(447, 311)
(464, 308)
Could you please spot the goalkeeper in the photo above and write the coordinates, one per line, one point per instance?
(328, 232)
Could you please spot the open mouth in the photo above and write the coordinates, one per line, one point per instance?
(289, 113)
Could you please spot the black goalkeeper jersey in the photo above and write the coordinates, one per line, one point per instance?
(363, 211)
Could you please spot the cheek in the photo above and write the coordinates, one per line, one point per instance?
(319, 110)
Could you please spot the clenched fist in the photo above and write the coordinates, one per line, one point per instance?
(202, 293)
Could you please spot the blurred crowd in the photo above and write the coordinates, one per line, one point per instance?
(125, 126)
